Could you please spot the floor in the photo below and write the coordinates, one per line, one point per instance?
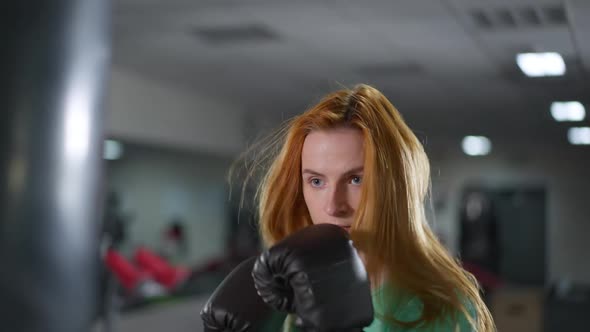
(176, 317)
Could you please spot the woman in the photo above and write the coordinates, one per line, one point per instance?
(352, 161)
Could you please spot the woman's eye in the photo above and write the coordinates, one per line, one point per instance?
(356, 180)
(315, 182)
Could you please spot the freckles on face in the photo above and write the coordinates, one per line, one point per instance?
(332, 164)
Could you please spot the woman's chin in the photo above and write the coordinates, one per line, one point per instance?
(347, 228)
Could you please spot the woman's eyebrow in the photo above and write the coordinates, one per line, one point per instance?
(355, 170)
(309, 171)
(351, 171)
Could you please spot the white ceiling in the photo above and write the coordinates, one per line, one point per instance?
(447, 76)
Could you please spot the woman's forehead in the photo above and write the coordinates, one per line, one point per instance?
(333, 150)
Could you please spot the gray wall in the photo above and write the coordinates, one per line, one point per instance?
(157, 184)
(563, 171)
(155, 112)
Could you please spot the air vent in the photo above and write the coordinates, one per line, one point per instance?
(246, 33)
(530, 16)
(519, 17)
(555, 15)
(391, 69)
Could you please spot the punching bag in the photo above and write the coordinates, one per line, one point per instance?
(55, 56)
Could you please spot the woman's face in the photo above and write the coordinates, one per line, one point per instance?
(332, 171)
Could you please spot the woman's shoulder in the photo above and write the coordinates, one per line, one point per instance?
(391, 302)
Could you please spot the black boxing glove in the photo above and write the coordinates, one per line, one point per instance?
(317, 274)
(235, 305)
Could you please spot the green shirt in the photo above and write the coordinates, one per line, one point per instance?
(406, 309)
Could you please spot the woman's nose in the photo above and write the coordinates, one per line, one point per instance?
(337, 203)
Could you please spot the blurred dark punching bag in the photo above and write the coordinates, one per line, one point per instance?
(479, 230)
(54, 65)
